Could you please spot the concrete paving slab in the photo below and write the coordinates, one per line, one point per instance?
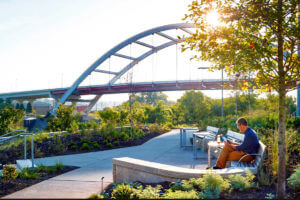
(82, 182)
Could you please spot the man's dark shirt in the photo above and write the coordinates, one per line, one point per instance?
(250, 144)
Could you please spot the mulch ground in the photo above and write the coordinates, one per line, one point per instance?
(50, 147)
(12, 186)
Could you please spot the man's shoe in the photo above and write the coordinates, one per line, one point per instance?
(216, 167)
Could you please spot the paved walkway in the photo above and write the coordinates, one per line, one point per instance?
(82, 182)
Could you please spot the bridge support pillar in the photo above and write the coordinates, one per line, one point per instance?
(92, 103)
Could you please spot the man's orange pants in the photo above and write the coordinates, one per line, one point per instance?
(229, 154)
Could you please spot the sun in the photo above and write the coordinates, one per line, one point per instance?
(213, 18)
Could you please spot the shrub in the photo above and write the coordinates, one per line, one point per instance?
(95, 196)
(116, 143)
(148, 193)
(85, 146)
(51, 169)
(177, 185)
(239, 182)
(270, 196)
(198, 183)
(9, 172)
(183, 185)
(59, 166)
(72, 145)
(214, 184)
(122, 191)
(109, 145)
(27, 173)
(124, 136)
(41, 168)
(170, 194)
(154, 128)
(95, 145)
(294, 179)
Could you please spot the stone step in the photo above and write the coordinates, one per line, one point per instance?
(21, 164)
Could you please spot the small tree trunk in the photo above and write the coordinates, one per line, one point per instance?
(281, 104)
(281, 147)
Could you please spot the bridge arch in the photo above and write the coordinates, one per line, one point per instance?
(134, 60)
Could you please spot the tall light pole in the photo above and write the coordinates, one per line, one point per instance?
(236, 95)
(298, 89)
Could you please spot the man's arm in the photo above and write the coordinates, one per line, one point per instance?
(233, 143)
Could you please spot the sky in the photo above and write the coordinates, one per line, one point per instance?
(48, 44)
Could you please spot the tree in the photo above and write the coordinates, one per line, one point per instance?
(64, 118)
(257, 36)
(194, 106)
(29, 108)
(109, 115)
(149, 97)
(9, 118)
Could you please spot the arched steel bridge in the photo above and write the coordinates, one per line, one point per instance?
(96, 66)
(74, 92)
(57, 93)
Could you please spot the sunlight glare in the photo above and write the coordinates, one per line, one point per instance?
(212, 18)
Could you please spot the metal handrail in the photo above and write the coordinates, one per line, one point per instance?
(25, 141)
(12, 133)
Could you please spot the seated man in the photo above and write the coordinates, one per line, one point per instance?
(234, 151)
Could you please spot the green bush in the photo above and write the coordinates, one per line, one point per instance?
(155, 128)
(58, 166)
(294, 179)
(95, 145)
(109, 145)
(9, 172)
(95, 196)
(116, 143)
(85, 146)
(41, 168)
(72, 145)
(177, 185)
(122, 191)
(124, 136)
(51, 169)
(198, 184)
(139, 134)
(148, 193)
(239, 182)
(27, 173)
(170, 194)
(214, 184)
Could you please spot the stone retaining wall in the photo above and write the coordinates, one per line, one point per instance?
(127, 169)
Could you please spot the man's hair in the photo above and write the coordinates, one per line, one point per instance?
(242, 121)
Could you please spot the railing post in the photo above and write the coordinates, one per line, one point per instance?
(32, 151)
(25, 146)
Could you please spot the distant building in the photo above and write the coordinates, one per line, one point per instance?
(41, 108)
(80, 108)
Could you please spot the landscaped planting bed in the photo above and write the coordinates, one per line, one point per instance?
(13, 181)
(79, 142)
(210, 186)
